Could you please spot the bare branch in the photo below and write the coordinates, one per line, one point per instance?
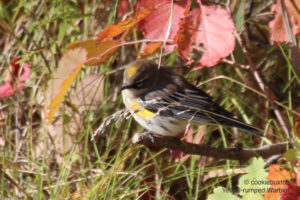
(206, 150)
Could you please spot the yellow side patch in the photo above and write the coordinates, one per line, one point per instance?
(132, 70)
(140, 111)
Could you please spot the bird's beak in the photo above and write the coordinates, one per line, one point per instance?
(125, 86)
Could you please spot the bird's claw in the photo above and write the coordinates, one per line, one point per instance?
(149, 135)
(237, 147)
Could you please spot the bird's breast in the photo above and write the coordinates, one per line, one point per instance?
(154, 122)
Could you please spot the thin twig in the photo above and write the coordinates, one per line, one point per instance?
(251, 89)
(264, 89)
(17, 184)
(167, 33)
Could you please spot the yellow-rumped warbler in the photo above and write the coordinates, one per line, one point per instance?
(164, 103)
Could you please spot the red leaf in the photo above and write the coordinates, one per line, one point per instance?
(14, 83)
(298, 173)
(123, 8)
(187, 33)
(156, 25)
(215, 32)
(210, 26)
(291, 191)
(277, 26)
(6, 90)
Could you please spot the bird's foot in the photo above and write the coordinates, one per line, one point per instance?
(237, 147)
(149, 135)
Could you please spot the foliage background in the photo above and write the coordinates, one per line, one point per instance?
(38, 162)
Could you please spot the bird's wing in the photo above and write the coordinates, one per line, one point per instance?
(194, 105)
(188, 104)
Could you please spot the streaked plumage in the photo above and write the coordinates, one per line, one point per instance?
(164, 103)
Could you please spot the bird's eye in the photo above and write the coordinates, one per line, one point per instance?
(139, 84)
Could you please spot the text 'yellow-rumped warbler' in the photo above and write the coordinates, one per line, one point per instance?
(164, 103)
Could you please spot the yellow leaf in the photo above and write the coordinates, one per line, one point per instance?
(95, 49)
(69, 66)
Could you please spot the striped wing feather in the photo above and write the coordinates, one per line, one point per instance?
(196, 106)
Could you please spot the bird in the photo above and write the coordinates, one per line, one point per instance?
(165, 103)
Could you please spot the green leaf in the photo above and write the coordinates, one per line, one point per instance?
(292, 155)
(254, 184)
(239, 16)
(297, 142)
(62, 31)
(222, 193)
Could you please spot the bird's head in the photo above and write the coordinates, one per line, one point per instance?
(139, 76)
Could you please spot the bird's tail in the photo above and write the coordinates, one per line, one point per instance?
(241, 125)
(226, 118)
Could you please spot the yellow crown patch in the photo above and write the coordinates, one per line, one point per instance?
(132, 70)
